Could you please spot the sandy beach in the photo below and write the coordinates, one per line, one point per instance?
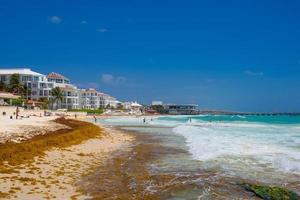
(55, 174)
(31, 124)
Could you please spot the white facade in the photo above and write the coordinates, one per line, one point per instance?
(70, 92)
(134, 106)
(36, 82)
(92, 99)
(157, 103)
(73, 98)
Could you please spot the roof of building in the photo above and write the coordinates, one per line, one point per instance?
(56, 76)
(68, 87)
(89, 90)
(135, 104)
(25, 71)
(6, 95)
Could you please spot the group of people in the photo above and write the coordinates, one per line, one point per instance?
(17, 113)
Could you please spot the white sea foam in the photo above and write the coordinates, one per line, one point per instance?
(269, 145)
(248, 149)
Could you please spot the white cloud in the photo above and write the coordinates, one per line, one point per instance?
(55, 20)
(83, 22)
(252, 73)
(111, 80)
(102, 30)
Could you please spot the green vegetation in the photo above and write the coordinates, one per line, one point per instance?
(159, 109)
(271, 193)
(3, 87)
(15, 86)
(88, 111)
(17, 102)
(57, 95)
(20, 153)
(45, 103)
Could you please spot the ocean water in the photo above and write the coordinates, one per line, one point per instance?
(263, 149)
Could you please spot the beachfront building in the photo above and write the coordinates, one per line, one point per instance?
(92, 99)
(133, 107)
(36, 82)
(110, 101)
(73, 98)
(70, 92)
(181, 109)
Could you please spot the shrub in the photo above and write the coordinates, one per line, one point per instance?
(88, 111)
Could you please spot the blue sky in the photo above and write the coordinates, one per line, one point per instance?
(229, 55)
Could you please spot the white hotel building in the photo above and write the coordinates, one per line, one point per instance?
(73, 98)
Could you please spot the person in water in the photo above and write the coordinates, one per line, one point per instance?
(95, 119)
(144, 120)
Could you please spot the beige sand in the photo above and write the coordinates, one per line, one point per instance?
(54, 176)
(25, 128)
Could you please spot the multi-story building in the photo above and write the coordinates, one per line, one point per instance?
(70, 92)
(92, 99)
(181, 109)
(36, 82)
(110, 101)
(89, 99)
(73, 98)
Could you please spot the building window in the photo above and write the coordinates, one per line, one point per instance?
(3, 78)
(26, 78)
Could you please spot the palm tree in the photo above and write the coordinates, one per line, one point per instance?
(45, 103)
(57, 96)
(15, 85)
(3, 86)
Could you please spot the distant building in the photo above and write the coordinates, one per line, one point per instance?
(92, 99)
(89, 99)
(134, 107)
(181, 109)
(110, 101)
(157, 103)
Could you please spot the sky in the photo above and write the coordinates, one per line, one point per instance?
(238, 55)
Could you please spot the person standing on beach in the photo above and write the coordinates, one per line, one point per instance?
(95, 119)
(17, 112)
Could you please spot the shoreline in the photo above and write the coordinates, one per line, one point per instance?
(116, 164)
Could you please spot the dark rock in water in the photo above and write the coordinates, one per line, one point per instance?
(271, 193)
